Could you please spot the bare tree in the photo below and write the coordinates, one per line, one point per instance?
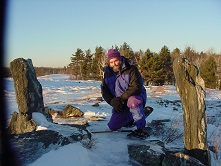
(102, 63)
(198, 61)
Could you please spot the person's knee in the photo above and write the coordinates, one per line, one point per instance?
(113, 127)
(134, 102)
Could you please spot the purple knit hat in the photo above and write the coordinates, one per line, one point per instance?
(113, 53)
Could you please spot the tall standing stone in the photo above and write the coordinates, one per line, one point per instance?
(28, 96)
(27, 87)
(191, 89)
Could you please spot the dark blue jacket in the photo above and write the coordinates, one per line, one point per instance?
(128, 82)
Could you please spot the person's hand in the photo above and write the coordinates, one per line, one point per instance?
(117, 104)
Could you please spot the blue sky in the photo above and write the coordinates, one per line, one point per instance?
(50, 31)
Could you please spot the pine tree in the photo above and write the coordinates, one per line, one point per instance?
(87, 64)
(175, 53)
(96, 69)
(208, 72)
(189, 53)
(138, 56)
(150, 68)
(127, 52)
(145, 65)
(166, 65)
(76, 63)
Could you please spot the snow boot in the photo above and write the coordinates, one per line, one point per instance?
(138, 133)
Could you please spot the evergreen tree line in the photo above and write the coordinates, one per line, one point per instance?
(155, 68)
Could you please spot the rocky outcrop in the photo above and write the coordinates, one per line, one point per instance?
(180, 159)
(31, 146)
(153, 153)
(28, 96)
(146, 154)
(68, 112)
(191, 89)
(21, 123)
(71, 111)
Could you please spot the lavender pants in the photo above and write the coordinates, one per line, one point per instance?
(133, 111)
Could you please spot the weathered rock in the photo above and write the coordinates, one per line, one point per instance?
(150, 154)
(180, 159)
(31, 146)
(96, 118)
(28, 96)
(191, 89)
(71, 111)
(153, 153)
(21, 123)
(53, 113)
(95, 105)
(28, 89)
(70, 115)
(100, 99)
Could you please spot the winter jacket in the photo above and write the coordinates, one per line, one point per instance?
(128, 82)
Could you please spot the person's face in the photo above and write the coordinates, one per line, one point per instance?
(115, 64)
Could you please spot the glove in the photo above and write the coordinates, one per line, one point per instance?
(117, 104)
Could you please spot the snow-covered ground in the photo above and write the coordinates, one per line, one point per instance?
(109, 148)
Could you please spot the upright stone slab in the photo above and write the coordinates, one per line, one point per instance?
(27, 87)
(28, 96)
(191, 89)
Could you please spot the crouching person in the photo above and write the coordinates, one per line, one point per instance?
(122, 87)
